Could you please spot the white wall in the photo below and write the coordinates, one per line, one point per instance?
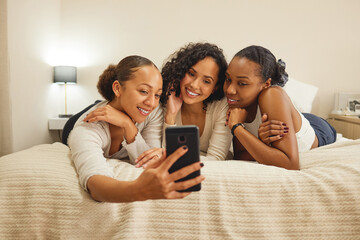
(318, 40)
(33, 30)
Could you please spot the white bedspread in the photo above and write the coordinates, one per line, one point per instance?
(40, 198)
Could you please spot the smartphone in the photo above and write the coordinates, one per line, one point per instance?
(179, 136)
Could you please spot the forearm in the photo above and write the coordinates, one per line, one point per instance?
(262, 153)
(130, 131)
(106, 189)
(170, 118)
(243, 155)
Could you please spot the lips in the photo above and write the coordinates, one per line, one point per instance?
(191, 94)
(231, 101)
(143, 111)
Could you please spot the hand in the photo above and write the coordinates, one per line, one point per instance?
(172, 107)
(153, 154)
(109, 114)
(235, 115)
(271, 130)
(158, 183)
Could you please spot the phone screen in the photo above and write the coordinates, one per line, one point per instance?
(179, 136)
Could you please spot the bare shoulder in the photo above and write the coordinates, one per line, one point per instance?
(272, 97)
(273, 91)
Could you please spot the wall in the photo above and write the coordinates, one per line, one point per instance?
(33, 32)
(318, 41)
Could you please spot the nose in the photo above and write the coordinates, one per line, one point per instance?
(230, 89)
(195, 84)
(151, 101)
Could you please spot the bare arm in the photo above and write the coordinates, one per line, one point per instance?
(282, 153)
(240, 152)
(155, 182)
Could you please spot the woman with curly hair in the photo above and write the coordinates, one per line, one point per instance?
(253, 86)
(193, 95)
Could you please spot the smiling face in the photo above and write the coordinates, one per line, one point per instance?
(243, 83)
(139, 96)
(199, 82)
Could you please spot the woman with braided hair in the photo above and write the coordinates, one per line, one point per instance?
(253, 87)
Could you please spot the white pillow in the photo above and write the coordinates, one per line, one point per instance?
(301, 94)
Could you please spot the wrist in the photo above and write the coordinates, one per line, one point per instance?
(235, 126)
(130, 131)
(170, 119)
(136, 191)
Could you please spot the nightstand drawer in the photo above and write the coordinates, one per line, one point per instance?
(348, 126)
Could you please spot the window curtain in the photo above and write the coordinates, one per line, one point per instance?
(5, 103)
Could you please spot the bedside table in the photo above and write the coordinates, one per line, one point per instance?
(349, 126)
(57, 123)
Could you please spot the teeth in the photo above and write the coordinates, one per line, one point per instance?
(144, 111)
(192, 93)
(231, 100)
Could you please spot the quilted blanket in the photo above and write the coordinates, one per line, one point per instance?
(40, 198)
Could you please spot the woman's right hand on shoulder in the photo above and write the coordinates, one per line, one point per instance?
(109, 114)
(173, 106)
(271, 130)
(156, 182)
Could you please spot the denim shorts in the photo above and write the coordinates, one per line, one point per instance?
(325, 133)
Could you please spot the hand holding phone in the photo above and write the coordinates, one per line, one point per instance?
(179, 136)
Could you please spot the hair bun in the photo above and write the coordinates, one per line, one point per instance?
(283, 76)
(281, 64)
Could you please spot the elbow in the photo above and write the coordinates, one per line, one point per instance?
(94, 196)
(293, 167)
(91, 187)
(293, 164)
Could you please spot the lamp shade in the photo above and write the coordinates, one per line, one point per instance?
(64, 74)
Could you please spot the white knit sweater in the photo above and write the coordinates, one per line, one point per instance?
(90, 144)
(216, 138)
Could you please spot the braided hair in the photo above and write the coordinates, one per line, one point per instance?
(269, 67)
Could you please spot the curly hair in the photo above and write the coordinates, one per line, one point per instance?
(122, 72)
(269, 67)
(180, 62)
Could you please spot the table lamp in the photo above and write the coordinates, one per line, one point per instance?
(64, 75)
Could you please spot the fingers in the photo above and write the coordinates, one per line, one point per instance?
(272, 139)
(95, 115)
(177, 195)
(154, 153)
(264, 117)
(183, 172)
(154, 163)
(169, 161)
(188, 183)
(227, 117)
(273, 124)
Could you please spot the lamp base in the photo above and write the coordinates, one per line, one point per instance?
(65, 115)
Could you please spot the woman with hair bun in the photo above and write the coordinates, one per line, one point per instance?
(126, 124)
(253, 86)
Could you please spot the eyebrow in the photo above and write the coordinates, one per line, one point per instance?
(240, 77)
(206, 76)
(149, 86)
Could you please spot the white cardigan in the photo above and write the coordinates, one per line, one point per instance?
(216, 138)
(90, 144)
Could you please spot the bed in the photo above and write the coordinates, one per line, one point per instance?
(40, 198)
